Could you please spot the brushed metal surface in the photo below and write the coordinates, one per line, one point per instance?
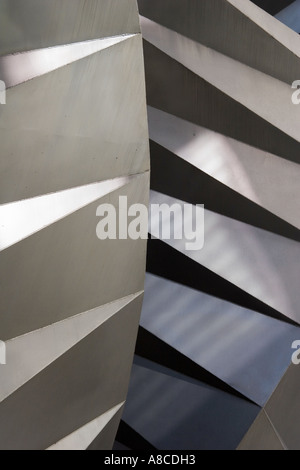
(173, 413)
(83, 437)
(261, 263)
(261, 436)
(65, 269)
(74, 135)
(18, 68)
(220, 74)
(251, 172)
(32, 24)
(283, 408)
(204, 104)
(247, 350)
(84, 383)
(105, 439)
(236, 28)
(57, 134)
(256, 91)
(23, 218)
(31, 353)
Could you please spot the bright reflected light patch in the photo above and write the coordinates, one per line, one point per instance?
(21, 219)
(19, 68)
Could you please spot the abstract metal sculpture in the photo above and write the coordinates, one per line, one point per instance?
(73, 135)
(217, 325)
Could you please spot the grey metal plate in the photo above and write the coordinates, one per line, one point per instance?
(86, 382)
(105, 439)
(283, 408)
(65, 269)
(261, 436)
(204, 104)
(263, 264)
(258, 40)
(29, 354)
(56, 134)
(251, 172)
(174, 414)
(83, 437)
(258, 92)
(247, 350)
(33, 24)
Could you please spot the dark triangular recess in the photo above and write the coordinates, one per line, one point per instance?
(165, 261)
(272, 6)
(120, 447)
(173, 176)
(132, 439)
(154, 349)
(173, 88)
